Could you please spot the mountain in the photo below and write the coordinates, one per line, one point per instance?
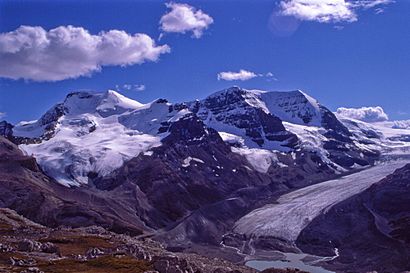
(184, 173)
(259, 124)
(90, 134)
(93, 134)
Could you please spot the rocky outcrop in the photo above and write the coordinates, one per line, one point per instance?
(370, 230)
(6, 129)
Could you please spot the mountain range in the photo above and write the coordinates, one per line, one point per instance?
(210, 173)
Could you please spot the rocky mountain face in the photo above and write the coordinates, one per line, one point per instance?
(238, 109)
(274, 120)
(371, 230)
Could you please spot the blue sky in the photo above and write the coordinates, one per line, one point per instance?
(356, 55)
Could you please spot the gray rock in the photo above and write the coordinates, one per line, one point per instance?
(174, 269)
(93, 253)
(5, 248)
(22, 262)
(161, 266)
(32, 270)
(50, 248)
(27, 245)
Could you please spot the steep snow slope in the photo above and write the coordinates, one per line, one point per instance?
(294, 107)
(95, 134)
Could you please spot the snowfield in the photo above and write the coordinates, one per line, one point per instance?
(97, 133)
(295, 210)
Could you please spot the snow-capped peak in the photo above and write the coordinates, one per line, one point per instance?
(106, 103)
(290, 106)
(95, 133)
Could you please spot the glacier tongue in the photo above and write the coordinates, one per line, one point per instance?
(294, 211)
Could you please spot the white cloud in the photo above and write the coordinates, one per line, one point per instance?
(367, 114)
(371, 3)
(327, 11)
(319, 10)
(2, 115)
(139, 87)
(184, 18)
(379, 11)
(65, 52)
(269, 76)
(130, 87)
(242, 75)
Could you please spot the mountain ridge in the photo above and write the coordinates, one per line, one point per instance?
(81, 130)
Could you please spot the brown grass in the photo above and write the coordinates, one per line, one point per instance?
(105, 264)
(69, 245)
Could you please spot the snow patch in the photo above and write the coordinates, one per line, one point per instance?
(259, 159)
(187, 161)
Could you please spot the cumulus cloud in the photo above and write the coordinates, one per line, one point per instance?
(242, 75)
(327, 11)
(184, 18)
(130, 87)
(401, 124)
(65, 52)
(367, 114)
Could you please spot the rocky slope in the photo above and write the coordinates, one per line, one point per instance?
(370, 230)
(25, 188)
